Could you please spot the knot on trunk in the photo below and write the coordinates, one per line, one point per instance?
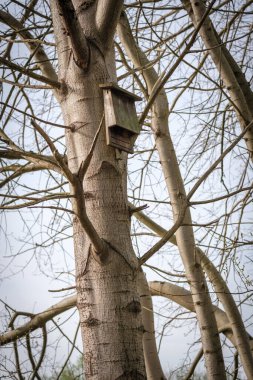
(101, 257)
(131, 375)
(89, 322)
(85, 5)
(134, 307)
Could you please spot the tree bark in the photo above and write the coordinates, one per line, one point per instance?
(173, 292)
(107, 298)
(184, 234)
(239, 336)
(152, 362)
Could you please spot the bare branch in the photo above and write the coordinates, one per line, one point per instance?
(58, 157)
(183, 297)
(194, 364)
(107, 15)
(213, 166)
(223, 293)
(39, 54)
(165, 76)
(230, 72)
(19, 169)
(79, 43)
(29, 73)
(31, 200)
(166, 237)
(85, 164)
(164, 289)
(39, 320)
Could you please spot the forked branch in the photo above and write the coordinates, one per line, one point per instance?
(79, 43)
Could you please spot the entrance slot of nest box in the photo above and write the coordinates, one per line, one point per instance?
(121, 121)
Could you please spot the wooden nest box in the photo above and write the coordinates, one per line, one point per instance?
(121, 121)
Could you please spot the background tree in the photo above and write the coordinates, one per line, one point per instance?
(56, 164)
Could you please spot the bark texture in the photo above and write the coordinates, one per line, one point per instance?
(184, 234)
(107, 298)
(152, 362)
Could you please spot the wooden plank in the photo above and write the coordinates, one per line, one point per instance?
(115, 87)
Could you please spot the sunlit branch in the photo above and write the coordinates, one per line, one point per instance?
(107, 14)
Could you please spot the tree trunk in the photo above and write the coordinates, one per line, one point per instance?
(239, 336)
(152, 362)
(184, 234)
(107, 298)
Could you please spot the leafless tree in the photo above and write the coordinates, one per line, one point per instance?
(190, 170)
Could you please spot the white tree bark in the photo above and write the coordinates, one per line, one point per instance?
(236, 84)
(106, 266)
(183, 298)
(152, 362)
(184, 234)
(240, 338)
